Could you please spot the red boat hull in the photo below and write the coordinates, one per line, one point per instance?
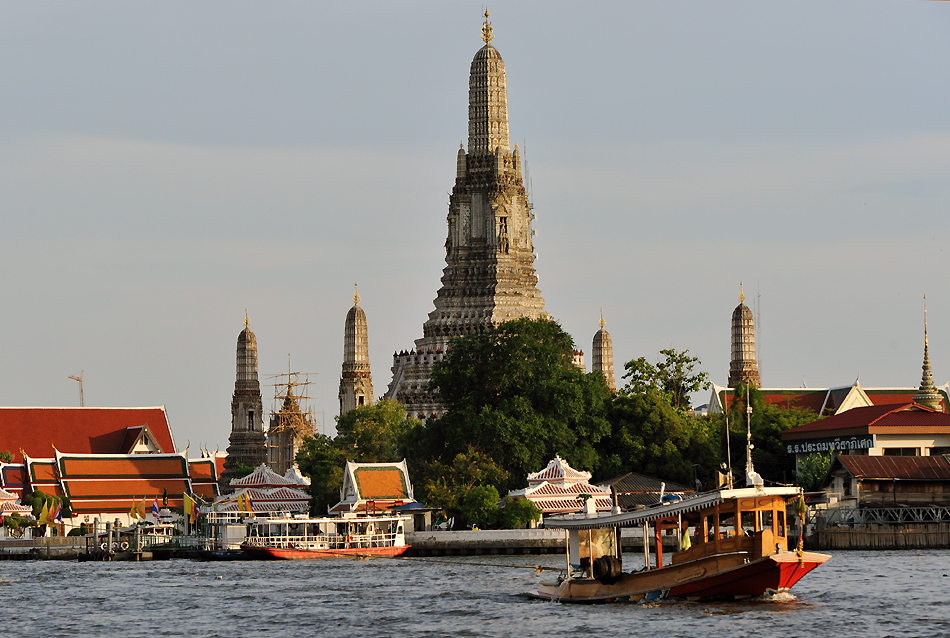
(770, 574)
(291, 553)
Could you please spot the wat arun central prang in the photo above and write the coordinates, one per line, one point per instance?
(489, 275)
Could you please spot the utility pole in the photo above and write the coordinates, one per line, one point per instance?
(79, 378)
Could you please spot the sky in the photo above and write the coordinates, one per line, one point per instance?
(165, 165)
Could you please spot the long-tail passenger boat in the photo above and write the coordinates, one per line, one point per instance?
(739, 549)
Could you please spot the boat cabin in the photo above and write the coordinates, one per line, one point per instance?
(751, 521)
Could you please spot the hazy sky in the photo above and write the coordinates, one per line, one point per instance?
(165, 165)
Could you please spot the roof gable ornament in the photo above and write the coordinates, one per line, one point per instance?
(486, 30)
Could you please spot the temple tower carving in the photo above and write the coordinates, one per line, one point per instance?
(489, 274)
(356, 382)
(927, 394)
(602, 355)
(743, 366)
(246, 443)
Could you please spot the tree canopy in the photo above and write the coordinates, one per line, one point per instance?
(513, 394)
(674, 377)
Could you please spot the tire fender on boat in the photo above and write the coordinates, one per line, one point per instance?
(124, 545)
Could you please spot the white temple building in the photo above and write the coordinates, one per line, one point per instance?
(556, 489)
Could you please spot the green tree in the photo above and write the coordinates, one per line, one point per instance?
(513, 394)
(368, 434)
(517, 513)
(374, 433)
(812, 470)
(480, 505)
(6, 456)
(446, 485)
(674, 377)
(650, 437)
(322, 461)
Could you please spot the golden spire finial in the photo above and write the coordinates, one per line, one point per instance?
(601, 318)
(741, 294)
(486, 30)
(925, 321)
(356, 294)
(247, 320)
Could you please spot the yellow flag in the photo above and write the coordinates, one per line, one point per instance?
(141, 508)
(133, 514)
(44, 513)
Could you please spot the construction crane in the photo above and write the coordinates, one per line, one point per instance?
(79, 378)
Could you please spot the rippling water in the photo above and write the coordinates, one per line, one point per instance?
(854, 594)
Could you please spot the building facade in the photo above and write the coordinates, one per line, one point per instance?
(743, 365)
(356, 380)
(602, 356)
(489, 274)
(246, 443)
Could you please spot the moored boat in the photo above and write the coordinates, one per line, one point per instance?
(300, 537)
(739, 549)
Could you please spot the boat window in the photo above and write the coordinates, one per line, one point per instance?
(748, 522)
(780, 517)
(710, 527)
(766, 520)
(727, 522)
(295, 529)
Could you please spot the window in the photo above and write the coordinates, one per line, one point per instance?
(901, 451)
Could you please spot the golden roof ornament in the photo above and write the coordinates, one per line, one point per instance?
(601, 318)
(741, 294)
(247, 321)
(356, 295)
(486, 30)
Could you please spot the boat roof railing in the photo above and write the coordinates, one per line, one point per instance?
(639, 517)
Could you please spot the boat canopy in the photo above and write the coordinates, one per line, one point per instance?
(639, 517)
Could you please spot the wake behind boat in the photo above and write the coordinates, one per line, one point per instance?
(300, 537)
(739, 550)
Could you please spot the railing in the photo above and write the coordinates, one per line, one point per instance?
(882, 515)
(325, 541)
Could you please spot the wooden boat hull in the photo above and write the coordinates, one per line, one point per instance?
(292, 553)
(723, 577)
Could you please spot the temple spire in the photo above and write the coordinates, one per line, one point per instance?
(927, 394)
(743, 365)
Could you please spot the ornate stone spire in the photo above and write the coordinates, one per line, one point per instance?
(247, 412)
(602, 355)
(927, 394)
(743, 366)
(487, 99)
(489, 274)
(356, 381)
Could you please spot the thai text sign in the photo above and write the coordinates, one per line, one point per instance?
(835, 444)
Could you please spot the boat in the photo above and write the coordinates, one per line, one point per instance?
(739, 550)
(301, 537)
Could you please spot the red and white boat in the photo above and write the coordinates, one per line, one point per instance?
(739, 549)
(300, 537)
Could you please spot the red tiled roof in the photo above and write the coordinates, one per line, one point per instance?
(875, 418)
(202, 470)
(121, 488)
(133, 465)
(907, 468)
(78, 430)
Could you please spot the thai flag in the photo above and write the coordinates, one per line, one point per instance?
(155, 508)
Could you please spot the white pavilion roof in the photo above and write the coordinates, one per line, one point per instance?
(558, 470)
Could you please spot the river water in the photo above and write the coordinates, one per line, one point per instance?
(866, 594)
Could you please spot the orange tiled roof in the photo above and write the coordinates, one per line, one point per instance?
(78, 430)
(381, 483)
(121, 488)
(137, 465)
(202, 470)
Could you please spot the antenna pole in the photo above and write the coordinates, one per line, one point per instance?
(79, 378)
